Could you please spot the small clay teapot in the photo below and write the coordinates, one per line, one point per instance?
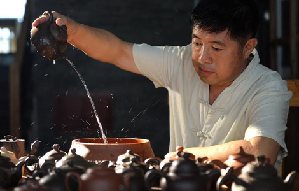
(47, 162)
(183, 175)
(129, 160)
(206, 168)
(13, 144)
(97, 178)
(49, 39)
(258, 176)
(32, 160)
(132, 169)
(10, 174)
(166, 163)
(54, 155)
(56, 180)
(76, 160)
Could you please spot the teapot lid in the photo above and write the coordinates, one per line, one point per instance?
(259, 169)
(75, 159)
(128, 157)
(185, 167)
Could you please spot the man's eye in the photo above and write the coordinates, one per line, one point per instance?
(197, 44)
(216, 49)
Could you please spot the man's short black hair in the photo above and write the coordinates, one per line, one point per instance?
(239, 17)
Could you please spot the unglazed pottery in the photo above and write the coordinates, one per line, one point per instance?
(95, 149)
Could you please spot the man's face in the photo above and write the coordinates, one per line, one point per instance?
(217, 59)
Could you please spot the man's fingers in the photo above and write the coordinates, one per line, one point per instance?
(45, 17)
(61, 21)
(40, 20)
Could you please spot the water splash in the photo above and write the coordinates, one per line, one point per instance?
(91, 101)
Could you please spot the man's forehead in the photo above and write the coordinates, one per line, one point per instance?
(199, 31)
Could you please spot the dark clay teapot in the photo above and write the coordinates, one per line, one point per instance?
(214, 173)
(97, 178)
(56, 179)
(10, 174)
(54, 155)
(132, 169)
(130, 160)
(49, 39)
(258, 176)
(184, 175)
(47, 162)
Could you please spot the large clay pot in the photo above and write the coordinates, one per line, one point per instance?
(95, 149)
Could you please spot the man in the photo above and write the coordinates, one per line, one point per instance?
(220, 97)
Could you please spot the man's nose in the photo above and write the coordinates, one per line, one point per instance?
(204, 56)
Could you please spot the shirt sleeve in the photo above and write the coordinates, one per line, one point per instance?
(158, 63)
(269, 112)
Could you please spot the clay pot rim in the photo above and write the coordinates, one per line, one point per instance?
(111, 141)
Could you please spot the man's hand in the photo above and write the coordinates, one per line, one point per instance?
(255, 146)
(97, 43)
(60, 20)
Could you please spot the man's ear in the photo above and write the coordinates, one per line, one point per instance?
(249, 46)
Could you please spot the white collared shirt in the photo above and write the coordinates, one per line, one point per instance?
(255, 104)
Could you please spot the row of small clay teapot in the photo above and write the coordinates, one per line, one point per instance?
(257, 176)
(127, 174)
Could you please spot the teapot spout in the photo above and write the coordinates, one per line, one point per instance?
(290, 179)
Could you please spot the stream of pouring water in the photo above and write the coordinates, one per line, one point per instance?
(91, 101)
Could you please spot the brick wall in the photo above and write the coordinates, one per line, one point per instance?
(138, 109)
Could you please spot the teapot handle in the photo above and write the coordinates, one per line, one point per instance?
(224, 179)
(75, 176)
(31, 159)
(150, 176)
(290, 179)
